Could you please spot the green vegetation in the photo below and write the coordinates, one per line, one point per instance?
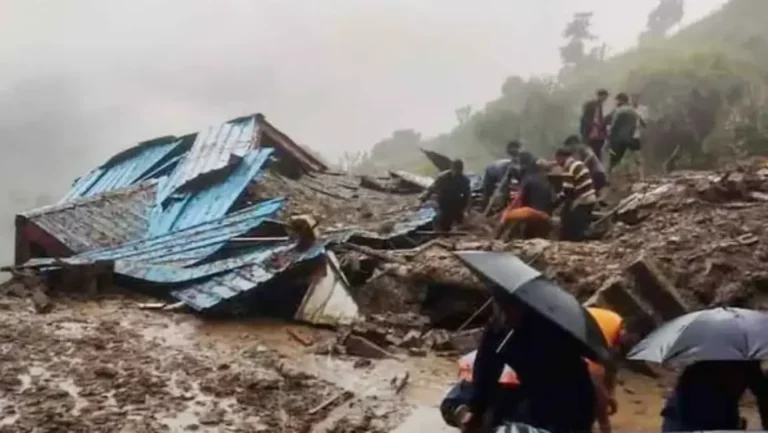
(705, 88)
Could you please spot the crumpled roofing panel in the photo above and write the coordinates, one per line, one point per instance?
(210, 203)
(206, 294)
(215, 148)
(182, 248)
(103, 221)
(125, 169)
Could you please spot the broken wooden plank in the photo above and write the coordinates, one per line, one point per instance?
(654, 287)
(329, 401)
(306, 342)
(399, 382)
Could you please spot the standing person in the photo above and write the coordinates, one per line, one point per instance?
(624, 124)
(585, 154)
(578, 195)
(593, 128)
(554, 379)
(707, 394)
(604, 377)
(642, 119)
(453, 192)
(500, 173)
(534, 202)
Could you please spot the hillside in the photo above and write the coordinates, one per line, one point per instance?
(705, 86)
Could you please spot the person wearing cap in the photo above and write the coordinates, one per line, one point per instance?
(624, 122)
(593, 128)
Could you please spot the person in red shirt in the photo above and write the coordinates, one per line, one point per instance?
(593, 125)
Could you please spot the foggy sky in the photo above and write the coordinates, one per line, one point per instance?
(81, 79)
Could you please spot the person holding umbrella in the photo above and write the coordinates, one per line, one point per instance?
(542, 333)
(722, 349)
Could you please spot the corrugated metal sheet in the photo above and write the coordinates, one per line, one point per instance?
(204, 295)
(215, 148)
(103, 221)
(182, 248)
(211, 203)
(124, 169)
(328, 302)
(415, 179)
(170, 274)
(440, 161)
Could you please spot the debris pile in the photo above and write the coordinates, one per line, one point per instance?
(173, 217)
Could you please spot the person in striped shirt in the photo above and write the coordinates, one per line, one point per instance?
(578, 194)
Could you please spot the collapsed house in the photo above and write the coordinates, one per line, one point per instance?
(198, 218)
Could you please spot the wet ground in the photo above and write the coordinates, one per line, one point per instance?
(108, 366)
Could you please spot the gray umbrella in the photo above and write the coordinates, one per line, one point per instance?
(719, 334)
(510, 276)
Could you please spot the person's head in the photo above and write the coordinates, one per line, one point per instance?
(635, 98)
(622, 99)
(602, 95)
(457, 167)
(563, 154)
(572, 141)
(528, 163)
(514, 147)
(301, 230)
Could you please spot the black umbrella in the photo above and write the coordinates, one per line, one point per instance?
(509, 275)
(719, 334)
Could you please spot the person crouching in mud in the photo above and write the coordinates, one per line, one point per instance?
(453, 192)
(554, 379)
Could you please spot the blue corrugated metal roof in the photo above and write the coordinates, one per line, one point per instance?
(181, 248)
(102, 221)
(206, 294)
(211, 203)
(170, 274)
(124, 169)
(215, 149)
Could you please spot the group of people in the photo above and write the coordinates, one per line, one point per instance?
(557, 389)
(528, 185)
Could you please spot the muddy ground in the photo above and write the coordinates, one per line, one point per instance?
(107, 366)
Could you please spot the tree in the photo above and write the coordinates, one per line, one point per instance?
(578, 52)
(666, 15)
(463, 114)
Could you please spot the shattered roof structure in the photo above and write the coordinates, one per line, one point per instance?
(87, 223)
(180, 213)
